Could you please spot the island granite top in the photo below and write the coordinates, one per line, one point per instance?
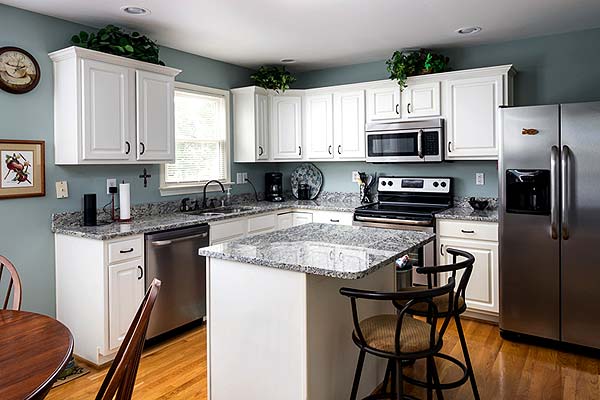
(346, 252)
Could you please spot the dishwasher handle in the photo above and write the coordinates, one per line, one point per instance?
(161, 243)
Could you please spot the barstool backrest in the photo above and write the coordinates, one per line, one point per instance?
(403, 300)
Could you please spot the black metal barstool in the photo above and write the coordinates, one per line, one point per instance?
(453, 311)
(398, 337)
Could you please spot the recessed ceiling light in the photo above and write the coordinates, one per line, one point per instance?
(471, 30)
(135, 10)
(287, 61)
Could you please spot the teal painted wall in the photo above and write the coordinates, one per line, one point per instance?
(551, 69)
(25, 236)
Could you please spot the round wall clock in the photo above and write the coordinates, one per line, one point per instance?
(19, 71)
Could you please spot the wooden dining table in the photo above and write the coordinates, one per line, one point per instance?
(34, 349)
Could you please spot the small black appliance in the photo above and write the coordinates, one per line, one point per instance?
(274, 186)
(303, 191)
(89, 209)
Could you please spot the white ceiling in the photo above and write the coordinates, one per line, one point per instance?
(324, 33)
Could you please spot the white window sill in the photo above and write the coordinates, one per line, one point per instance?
(174, 190)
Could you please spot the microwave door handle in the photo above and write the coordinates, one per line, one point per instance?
(420, 143)
(554, 192)
(565, 192)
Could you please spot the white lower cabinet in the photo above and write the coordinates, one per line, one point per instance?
(481, 240)
(99, 287)
(301, 218)
(125, 293)
(333, 217)
(293, 218)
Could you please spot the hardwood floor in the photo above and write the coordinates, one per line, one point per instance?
(505, 370)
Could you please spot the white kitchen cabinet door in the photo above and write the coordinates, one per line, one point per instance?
(108, 111)
(333, 217)
(483, 287)
(286, 127)
(301, 218)
(318, 118)
(472, 118)
(125, 293)
(285, 220)
(349, 125)
(383, 103)
(261, 102)
(155, 117)
(421, 100)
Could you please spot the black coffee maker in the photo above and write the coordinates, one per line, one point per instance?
(274, 186)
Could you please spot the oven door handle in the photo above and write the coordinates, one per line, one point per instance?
(393, 221)
(420, 143)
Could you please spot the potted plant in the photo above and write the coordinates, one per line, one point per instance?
(403, 64)
(114, 40)
(274, 78)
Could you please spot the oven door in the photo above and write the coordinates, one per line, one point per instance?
(422, 145)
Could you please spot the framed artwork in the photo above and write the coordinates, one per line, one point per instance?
(22, 168)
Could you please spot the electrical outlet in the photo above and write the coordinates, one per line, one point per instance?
(355, 177)
(480, 178)
(244, 177)
(110, 183)
(62, 190)
(241, 177)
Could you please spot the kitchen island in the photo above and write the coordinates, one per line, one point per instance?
(278, 327)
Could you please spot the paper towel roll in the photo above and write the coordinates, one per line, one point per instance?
(124, 201)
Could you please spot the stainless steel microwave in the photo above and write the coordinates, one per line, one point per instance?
(410, 141)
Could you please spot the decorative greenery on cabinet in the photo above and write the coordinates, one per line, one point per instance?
(114, 40)
(403, 64)
(274, 78)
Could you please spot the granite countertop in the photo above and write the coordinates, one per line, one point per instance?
(346, 252)
(468, 214)
(69, 225)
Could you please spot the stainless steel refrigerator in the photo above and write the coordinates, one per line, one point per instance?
(550, 222)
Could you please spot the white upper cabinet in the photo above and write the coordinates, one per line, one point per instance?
(108, 129)
(286, 127)
(472, 117)
(155, 120)
(349, 125)
(421, 100)
(383, 102)
(111, 110)
(250, 124)
(318, 126)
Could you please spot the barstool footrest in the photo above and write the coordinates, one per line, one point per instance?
(390, 396)
(446, 385)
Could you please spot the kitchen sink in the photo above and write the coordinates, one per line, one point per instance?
(219, 212)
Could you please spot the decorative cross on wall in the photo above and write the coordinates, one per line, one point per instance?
(145, 176)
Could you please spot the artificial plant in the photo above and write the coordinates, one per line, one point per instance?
(273, 77)
(403, 64)
(114, 40)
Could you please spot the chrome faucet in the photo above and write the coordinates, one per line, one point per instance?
(204, 190)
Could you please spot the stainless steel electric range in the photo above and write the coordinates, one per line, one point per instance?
(408, 203)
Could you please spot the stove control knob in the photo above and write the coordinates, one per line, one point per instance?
(390, 183)
(436, 184)
(383, 183)
(444, 184)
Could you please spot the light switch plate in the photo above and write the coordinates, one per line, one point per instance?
(62, 190)
(480, 178)
(111, 182)
(241, 177)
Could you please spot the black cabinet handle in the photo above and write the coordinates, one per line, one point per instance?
(340, 149)
(329, 149)
(398, 109)
(299, 150)
(449, 147)
(260, 151)
(126, 251)
(441, 249)
(141, 275)
(469, 232)
(143, 150)
(334, 220)
(128, 148)
(408, 108)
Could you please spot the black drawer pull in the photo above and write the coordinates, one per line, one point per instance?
(334, 220)
(126, 251)
(469, 232)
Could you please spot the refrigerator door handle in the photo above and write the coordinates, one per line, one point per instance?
(554, 192)
(565, 191)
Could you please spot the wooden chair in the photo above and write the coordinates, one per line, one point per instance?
(118, 383)
(14, 282)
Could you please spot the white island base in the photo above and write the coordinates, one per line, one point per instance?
(275, 334)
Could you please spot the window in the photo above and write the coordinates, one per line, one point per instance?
(201, 140)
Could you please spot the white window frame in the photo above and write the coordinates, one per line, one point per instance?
(172, 189)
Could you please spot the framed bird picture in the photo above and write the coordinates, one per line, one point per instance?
(22, 168)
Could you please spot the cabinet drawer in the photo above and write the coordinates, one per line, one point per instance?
(262, 223)
(469, 230)
(125, 250)
(222, 232)
(332, 217)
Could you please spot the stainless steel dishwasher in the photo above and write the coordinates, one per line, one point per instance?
(172, 256)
